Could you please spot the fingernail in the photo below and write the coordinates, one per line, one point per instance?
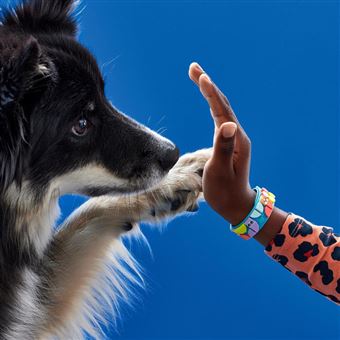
(198, 66)
(229, 130)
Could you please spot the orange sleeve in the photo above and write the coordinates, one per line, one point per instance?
(310, 252)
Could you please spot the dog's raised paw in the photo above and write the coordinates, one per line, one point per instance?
(181, 189)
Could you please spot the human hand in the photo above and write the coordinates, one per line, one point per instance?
(226, 185)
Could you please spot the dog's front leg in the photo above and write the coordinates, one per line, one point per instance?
(89, 239)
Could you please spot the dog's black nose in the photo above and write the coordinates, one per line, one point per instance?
(169, 157)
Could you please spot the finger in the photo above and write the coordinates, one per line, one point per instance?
(195, 70)
(224, 147)
(220, 109)
(222, 112)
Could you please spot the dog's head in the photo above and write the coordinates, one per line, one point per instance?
(56, 124)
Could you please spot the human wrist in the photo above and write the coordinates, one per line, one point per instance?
(272, 226)
(243, 206)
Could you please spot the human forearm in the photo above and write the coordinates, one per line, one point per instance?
(310, 252)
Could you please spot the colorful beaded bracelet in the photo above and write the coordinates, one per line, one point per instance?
(258, 216)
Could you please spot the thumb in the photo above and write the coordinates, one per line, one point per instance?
(224, 146)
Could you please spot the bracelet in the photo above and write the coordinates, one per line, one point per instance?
(258, 216)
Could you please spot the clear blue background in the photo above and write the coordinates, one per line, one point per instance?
(278, 62)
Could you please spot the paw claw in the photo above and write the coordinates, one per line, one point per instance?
(176, 204)
(127, 226)
(181, 198)
(200, 172)
(193, 208)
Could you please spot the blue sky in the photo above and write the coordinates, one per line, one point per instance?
(278, 62)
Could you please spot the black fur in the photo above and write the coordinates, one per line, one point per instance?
(43, 16)
(16, 75)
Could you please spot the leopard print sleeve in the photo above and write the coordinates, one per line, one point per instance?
(310, 252)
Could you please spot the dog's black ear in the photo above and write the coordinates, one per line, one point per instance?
(19, 70)
(43, 16)
(23, 79)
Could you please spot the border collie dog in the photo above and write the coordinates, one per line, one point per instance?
(58, 135)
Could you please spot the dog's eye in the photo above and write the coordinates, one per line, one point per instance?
(81, 128)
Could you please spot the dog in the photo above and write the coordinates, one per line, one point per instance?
(59, 134)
